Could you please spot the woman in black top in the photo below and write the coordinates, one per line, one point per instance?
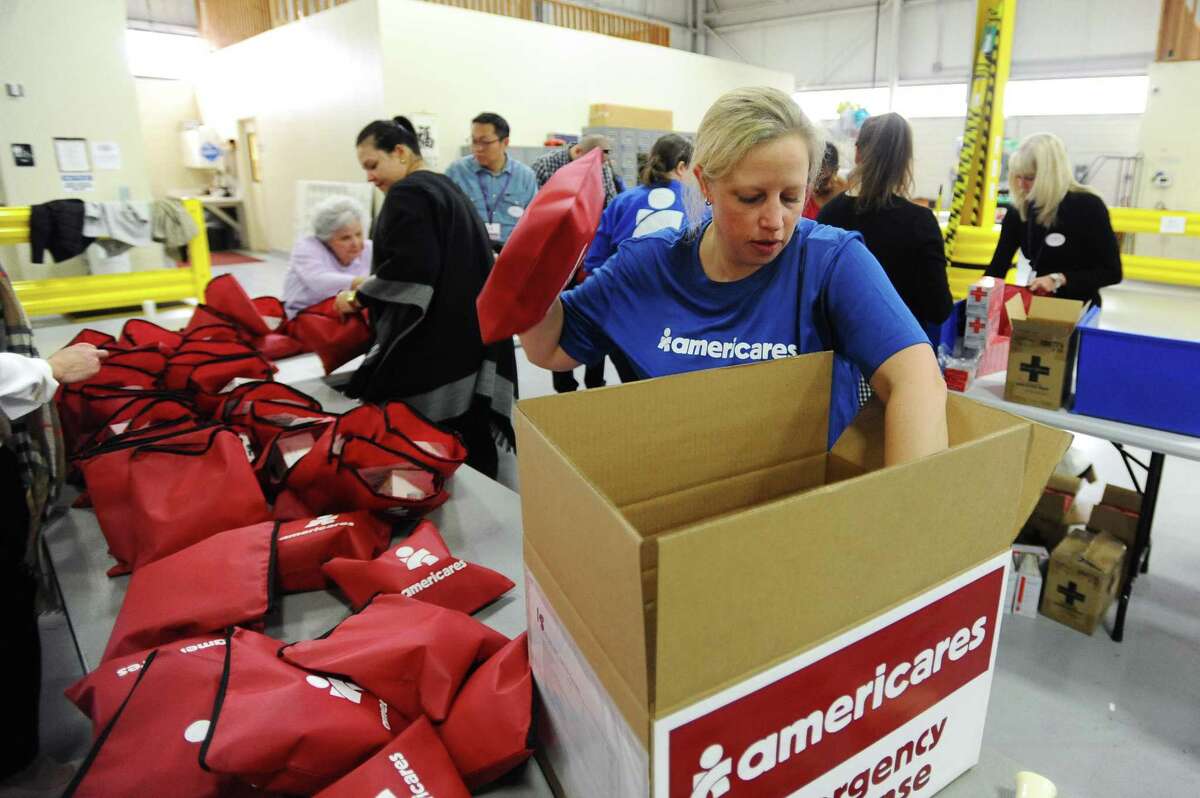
(431, 259)
(1061, 226)
(903, 235)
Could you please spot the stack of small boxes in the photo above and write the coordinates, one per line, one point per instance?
(984, 349)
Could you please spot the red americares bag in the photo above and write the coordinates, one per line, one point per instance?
(138, 414)
(141, 333)
(226, 295)
(544, 250)
(412, 655)
(151, 745)
(236, 405)
(99, 694)
(420, 567)
(157, 495)
(488, 730)
(336, 339)
(224, 580)
(305, 545)
(284, 730)
(414, 764)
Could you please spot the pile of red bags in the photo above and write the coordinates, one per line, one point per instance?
(217, 490)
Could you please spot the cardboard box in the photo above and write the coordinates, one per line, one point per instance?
(608, 115)
(713, 596)
(1083, 578)
(1018, 593)
(1027, 591)
(1117, 513)
(1041, 353)
(985, 299)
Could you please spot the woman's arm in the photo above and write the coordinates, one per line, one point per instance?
(540, 342)
(318, 271)
(1101, 256)
(1007, 246)
(934, 301)
(911, 386)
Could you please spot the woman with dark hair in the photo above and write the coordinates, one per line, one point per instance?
(902, 235)
(828, 184)
(431, 258)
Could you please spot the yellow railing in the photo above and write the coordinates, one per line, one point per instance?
(56, 295)
(974, 247)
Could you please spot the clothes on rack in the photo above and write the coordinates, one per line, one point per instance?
(171, 224)
(57, 226)
(119, 226)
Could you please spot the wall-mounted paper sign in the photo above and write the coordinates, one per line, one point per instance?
(72, 155)
(106, 155)
(75, 183)
(22, 154)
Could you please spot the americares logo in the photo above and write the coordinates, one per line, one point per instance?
(725, 350)
(415, 558)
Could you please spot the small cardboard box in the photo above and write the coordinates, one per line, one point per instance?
(713, 596)
(1084, 576)
(608, 115)
(1117, 513)
(985, 298)
(1027, 591)
(1041, 353)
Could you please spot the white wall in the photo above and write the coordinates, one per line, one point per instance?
(70, 57)
(456, 63)
(310, 86)
(1171, 144)
(163, 106)
(832, 47)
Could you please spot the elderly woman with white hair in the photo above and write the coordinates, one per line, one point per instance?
(334, 259)
(1062, 226)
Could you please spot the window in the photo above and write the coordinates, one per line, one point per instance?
(163, 55)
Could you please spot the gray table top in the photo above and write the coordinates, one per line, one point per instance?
(480, 523)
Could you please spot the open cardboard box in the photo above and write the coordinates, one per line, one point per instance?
(702, 574)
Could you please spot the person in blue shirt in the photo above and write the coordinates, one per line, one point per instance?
(756, 282)
(499, 187)
(656, 204)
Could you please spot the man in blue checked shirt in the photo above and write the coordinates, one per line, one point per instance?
(499, 187)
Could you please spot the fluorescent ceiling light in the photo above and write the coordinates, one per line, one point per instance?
(1066, 97)
(152, 54)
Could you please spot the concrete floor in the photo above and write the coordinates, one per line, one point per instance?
(1101, 719)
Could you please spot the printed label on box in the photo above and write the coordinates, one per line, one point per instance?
(897, 704)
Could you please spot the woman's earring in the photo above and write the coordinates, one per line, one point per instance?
(707, 201)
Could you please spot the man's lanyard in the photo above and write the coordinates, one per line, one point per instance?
(491, 208)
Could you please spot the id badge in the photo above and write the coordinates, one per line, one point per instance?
(493, 230)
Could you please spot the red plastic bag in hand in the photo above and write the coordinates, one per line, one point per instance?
(157, 495)
(488, 730)
(225, 580)
(226, 295)
(99, 694)
(151, 746)
(420, 567)
(335, 338)
(305, 545)
(285, 730)
(413, 655)
(544, 250)
(414, 764)
(139, 333)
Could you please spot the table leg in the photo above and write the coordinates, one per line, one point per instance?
(1141, 544)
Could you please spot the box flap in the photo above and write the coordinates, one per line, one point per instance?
(1065, 311)
(1103, 552)
(968, 419)
(593, 553)
(1064, 484)
(1122, 498)
(746, 590)
(1015, 308)
(861, 443)
(697, 428)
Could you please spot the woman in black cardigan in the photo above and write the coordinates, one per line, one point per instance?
(904, 236)
(1061, 226)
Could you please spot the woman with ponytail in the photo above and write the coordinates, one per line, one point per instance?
(431, 258)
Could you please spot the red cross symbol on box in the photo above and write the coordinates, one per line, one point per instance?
(977, 293)
(976, 325)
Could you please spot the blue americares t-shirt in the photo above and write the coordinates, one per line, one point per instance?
(635, 213)
(653, 301)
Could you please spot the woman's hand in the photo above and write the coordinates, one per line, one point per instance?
(357, 282)
(76, 362)
(1047, 284)
(345, 302)
(914, 392)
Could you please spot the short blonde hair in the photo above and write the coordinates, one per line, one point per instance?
(742, 119)
(1044, 156)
